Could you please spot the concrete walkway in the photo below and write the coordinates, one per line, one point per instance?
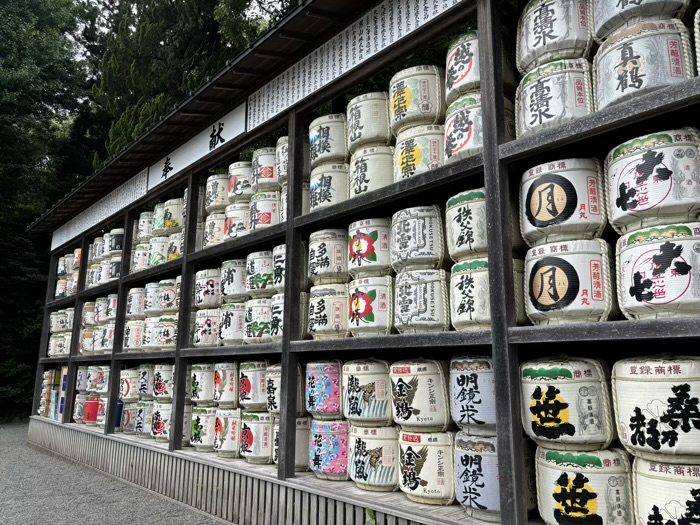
(37, 488)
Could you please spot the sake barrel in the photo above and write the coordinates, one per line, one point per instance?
(655, 408)
(609, 15)
(651, 180)
(206, 328)
(464, 128)
(596, 484)
(173, 212)
(203, 428)
(216, 192)
(665, 493)
(258, 317)
(88, 315)
(252, 386)
(163, 382)
(328, 449)
(476, 474)
(86, 344)
(473, 395)
(553, 94)
(259, 274)
(79, 408)
(417, 239)
(81, 379)
(470, 308)
(305, 200)
(105, 272)
(151, 300)
(421, 301)
(129, 417)
(566, 403)
(144, 418)
(562, 200)
(61, 266)
(161, 421)
(133, 335)
(549, 31)
(207, 288)
(145, 381)
(202, 380)
(656, 271)
(569, 282)
(100, 310)
(227, 432)
(61, 285)
(328, 257)
(144, 230)
(371, 308)
(328, 184)
(233, 281)
(151, 340)
(418, 149)
(282, 159)
(256, 437)
(368, 121)
(57, 321)
(140, 257)
(417, 97)
(371, 168)
(111, 311)
(226, 385)
(323, 389)
(427, 467)
(374, 458)
(167, 295)
(135, 303)
(421, 401)
(279, 261)
(187, 424)
(301, 443)
(157, 251)
(264, 176)
(462, 73)
(101, 411)
(237, 220)
(277, 318)
(366, 393)
(231, 323)
(369, 248)
(328, 311)
(328, 139)
(175, 245)
(129, 384)
(90, 412)
(214, 229)
(167, 331)
(239, 175)
(106, 339)
(647, 55)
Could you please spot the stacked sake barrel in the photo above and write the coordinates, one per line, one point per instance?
(160, 234)
(328, 155)
(282, 169)
(97, 326)
(92, 388)
(104, 261)
(67, 273)
(61, 330)
(152, 317)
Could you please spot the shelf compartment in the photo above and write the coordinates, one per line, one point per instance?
(97, 358)
(429, 340)
(144, 356)
(225, 351)
(397, 191)
(63, 301)
(152, 273)
(102, 289)
(613, 117)
(247, 242)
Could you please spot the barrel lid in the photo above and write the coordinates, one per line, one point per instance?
(471, 363)
(467, 100)
(328, 290)
(177, 200)
(275, 369)
(164, 366)
(208, 312)
(265, 195)
(324, 235)
(464, 37)
(366, 365)
(328, 427)
(229, 412)
(417, 70)
(279, 248)
(263, 151)
(610, 460)
(557, 67)
(168, 318)
(166, 282)
(217, 216)
(368, 223)
(414, 366)
(562, 369)
(416, 211)
(258, 255)
(204, 411)
(370, 281)
(277, 298)
(687, 135)
(282, 141)
(325, 119)
(326, 365)
(372, 150)
(417, 131)
(466, 196)
(475, 444)
(232, 306)
(376, 95)
(330, 166)
(213, 177)
(146, 214)
(259, 302)
(471, 265)
(142, 246)
(202, 367)
(226, 366)
(245, 164)
(258, 364)
(660, 234)
(411, 277)
(238, 205)
(233, 262)
(444, 439)
(658, 368)
(391, 433)
(560, 166)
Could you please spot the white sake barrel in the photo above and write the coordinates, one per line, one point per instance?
(167, 331)
(256, 437)
(81, 379)
(282, 159)
(328, 139)
(651, 180)
(151, 340)
(553, 94)
(105, 337)
(228, 433)
(368, 121)
(202, 379)
(328, 449)
(624, 63)
(163, 382)
(419, 149)
(427, 463)
(374, 458)
(70, 318)
(233, 281)
(161, 421)
(279, 261)
(61, 267)
(655, 271)
(105, 272)
(569, 282)
(111, 311)
(421, 301)
(328, 257)
(273, 388)
(237, 220)
(371, 309)
(421, 401)
(178, 290)
(417, 239)
(79, 408)
(328, 184)
(129, 412)
(464, 129)
(203, 428)
(128, 384)
(86, 343)
(470, 307)
(176, 246)
(167, 295)
(473, 395)
(226, 385)
(264, 176)
(187, 424)
(566, 403)
(367, 393)
(101, 411)
(57, 321)
(144, 418)
(328, 311)
(371, 168)
(173, 213)
(133, 335)
(91, 381)
(88, 317)
(151, 304)
(369, 242)
(609, 15)
(98, 251)
(258, 317)
(231, 323)
(206, 328)
(157, 250)
(259, 274)
(207, 288)
(252, 386)
(305, 200)
(301, 443)
(657, 416)
(476, 475)
(562, 200)
(101, 382)
(239, 175)
(115, 272)
(216, 193)
(277, 318)
(665, 493)
(323, 392)
(135, 303)
(214, 229)
(596, 484)
(462, 73)
(116, 243)
(145, 381)
(417, 97)
(550, 31)
(144, 230)
(140, 257)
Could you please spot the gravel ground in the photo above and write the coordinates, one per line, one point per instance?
(38, 488)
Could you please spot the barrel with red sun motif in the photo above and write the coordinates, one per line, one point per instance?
(256, 437)
(252, 388)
